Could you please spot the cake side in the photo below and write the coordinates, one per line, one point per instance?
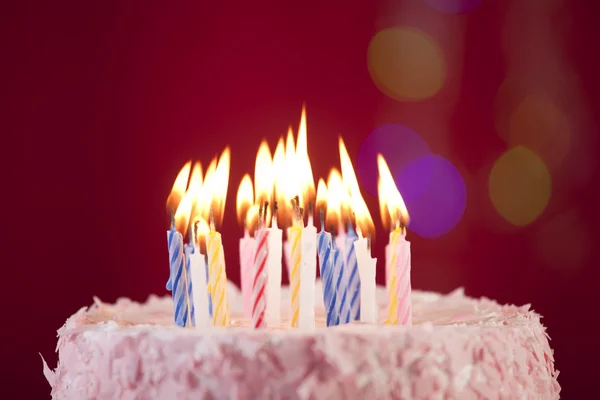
(458, 348)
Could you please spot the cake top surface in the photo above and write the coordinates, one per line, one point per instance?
(430, 311)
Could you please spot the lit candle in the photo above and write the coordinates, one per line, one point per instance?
(367, 268)
(394, 210)
(244, 199)
(335, 190)
(324, 247)
(308, 266)
(177, 282)
(188, 250)
(295, 238)
(261, 277)
(355, 202)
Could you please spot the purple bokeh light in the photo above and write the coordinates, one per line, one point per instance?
(454, 6)
(435, 195)
(397, 143)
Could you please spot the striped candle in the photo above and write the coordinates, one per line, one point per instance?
(351, 303)
(261, 277)
(326, 270)
(403, 282)
(338, 279)
(295, 238)
(392, 293)
(189, 250)
(218, 279)
(177, 281)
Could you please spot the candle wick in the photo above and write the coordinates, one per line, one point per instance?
(322, 216)
(297, 209)
(260, 216)
(369, 241)
(211, 219)
(266, 207)
(172, 216)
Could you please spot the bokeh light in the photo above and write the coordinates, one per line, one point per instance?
(397, 143)
(537, 123)
(406, 64)
(454, 6)
(519, 186)
(434, 193)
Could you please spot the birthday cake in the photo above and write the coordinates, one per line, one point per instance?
(457, 348)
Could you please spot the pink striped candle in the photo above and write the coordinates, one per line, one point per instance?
(259, 293)
(403, 285)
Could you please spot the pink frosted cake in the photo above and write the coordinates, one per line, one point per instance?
(458, 348)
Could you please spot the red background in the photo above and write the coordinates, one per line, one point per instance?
(104, 102)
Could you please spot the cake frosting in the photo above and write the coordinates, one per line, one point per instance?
(458, 348)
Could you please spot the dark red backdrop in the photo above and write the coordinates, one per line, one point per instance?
(104, 101)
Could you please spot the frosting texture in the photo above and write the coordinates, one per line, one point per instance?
(458, 348)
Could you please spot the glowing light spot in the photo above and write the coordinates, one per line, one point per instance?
(434, 193)
(454, 6)
(397, 143)
(406, 64)
(537, 123)
(519, 186)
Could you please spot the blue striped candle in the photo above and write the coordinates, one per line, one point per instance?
(351, 301)
(209, 295)
(338, 279)
(189, 250)
(326, 269)
(176, 280)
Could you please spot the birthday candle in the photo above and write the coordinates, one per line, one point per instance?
(218, 279)
(244, 200)
(189, 250)
(367, 268)
(309, 274)
(259, 293)
(177, 279)
(394, 210)
(351, 303)
(326, 271)
(295, 235)
(274, 267)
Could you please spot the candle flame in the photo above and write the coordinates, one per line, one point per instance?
(218, 186)
(179, 187)
(195, 188)
(182, 215)
(252, 218)
(335, 189)
(202, 229)
(348, 175)
(204, 201)
(263, 174)
(322, 195)
(244, 199)
(307, 180)
(284, 212)
(293, 182)
(391, 205)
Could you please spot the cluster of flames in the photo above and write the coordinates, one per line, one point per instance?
(279, 177)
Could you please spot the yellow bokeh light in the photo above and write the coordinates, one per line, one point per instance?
(519, 186)
(540, 125)
(406, 64)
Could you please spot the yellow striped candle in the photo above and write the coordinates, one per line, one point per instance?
(217, 286)
(295, 238)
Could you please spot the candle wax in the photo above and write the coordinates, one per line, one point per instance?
(367, 269)
(274, 272)
(308, 278)
(247, 249)
(200, 294)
